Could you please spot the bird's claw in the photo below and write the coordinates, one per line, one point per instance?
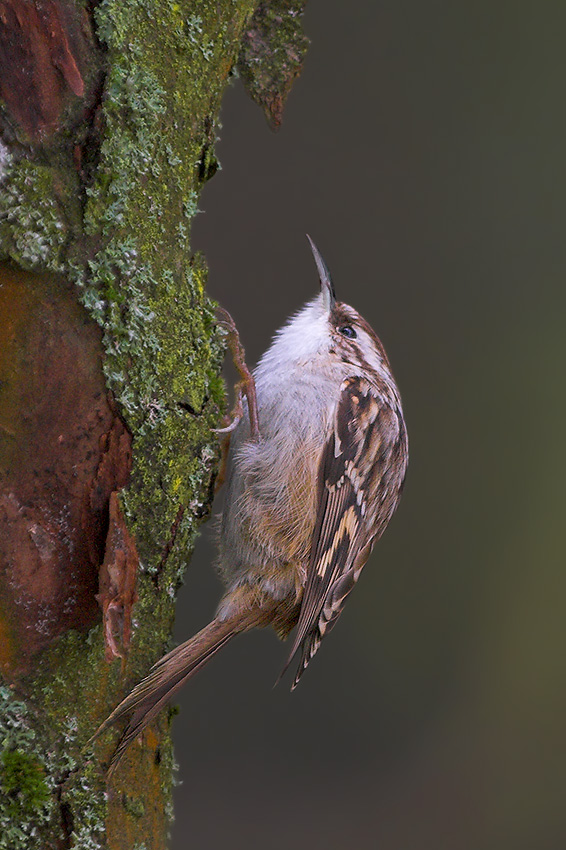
(246, 386)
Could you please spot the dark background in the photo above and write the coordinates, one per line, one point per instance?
(424, 149)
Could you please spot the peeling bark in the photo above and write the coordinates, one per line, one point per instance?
(117, 590)
(272, 54)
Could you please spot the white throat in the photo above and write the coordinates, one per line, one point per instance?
(299, 342)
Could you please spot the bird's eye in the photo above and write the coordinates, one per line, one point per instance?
(347, 331)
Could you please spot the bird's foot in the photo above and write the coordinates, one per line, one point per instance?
(246, 386)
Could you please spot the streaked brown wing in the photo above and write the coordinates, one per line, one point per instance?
(361, 475)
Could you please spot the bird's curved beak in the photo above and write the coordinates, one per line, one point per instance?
(326, 285)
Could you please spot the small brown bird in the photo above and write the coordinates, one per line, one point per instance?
(315, 472)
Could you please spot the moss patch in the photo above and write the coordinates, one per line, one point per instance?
(27, 805)
(22, 779)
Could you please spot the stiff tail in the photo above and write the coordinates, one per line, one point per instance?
(167, 675)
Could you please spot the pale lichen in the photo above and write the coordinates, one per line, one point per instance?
(33, 232)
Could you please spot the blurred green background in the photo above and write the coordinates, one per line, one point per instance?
(424, 149)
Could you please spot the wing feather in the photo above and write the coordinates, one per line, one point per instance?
(360, 479)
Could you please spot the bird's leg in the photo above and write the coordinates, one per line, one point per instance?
(244, 387)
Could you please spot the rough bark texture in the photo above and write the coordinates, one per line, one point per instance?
(273, 50)
(109, 387)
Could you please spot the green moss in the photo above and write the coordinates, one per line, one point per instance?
(22, 779)
(71, 674)
(27, 804)
(133, 805)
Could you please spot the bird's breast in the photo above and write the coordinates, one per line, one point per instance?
(272, 488)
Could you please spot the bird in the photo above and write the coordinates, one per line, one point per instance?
(316, 465)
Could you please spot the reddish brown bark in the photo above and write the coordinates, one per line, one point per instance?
(43, 51)
(63, 451)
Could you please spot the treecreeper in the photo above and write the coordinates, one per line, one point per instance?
(316, 464)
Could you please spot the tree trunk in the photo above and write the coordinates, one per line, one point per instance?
(109, 380)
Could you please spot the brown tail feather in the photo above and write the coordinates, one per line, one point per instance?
(147, 699)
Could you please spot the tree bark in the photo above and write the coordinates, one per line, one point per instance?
(109, 380)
